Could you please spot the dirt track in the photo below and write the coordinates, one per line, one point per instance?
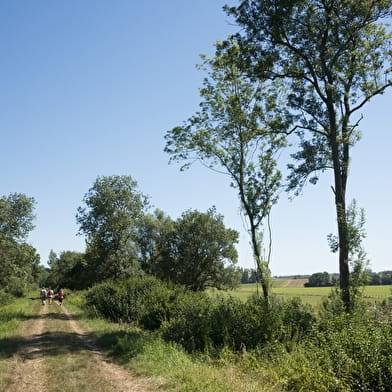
(52, 333)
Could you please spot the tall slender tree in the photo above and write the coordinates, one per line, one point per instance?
(232, 134)
(334, 56)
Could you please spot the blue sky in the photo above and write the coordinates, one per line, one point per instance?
(90, 87)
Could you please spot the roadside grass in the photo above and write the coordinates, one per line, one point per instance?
(11, 317)
(166, 364)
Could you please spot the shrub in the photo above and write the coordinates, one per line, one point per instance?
(205, 324)
(190, 322)
(144, 300)
(5, 298)
(357, 349)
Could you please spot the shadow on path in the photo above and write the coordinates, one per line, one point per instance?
(46, 344)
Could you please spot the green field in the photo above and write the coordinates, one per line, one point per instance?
(309, 295)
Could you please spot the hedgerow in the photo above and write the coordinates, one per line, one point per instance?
(332, 352)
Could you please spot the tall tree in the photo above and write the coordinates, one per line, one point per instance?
(334, 55)
(153, 236)
(16, 216)
(232, 134)
(69, 270)
(19, 262)
(200, 248)
(113, 208)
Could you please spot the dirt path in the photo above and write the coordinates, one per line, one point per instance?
(29, 374)
(119, 378)
(51, 336)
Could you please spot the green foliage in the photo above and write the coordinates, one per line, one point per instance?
(19, 262)
(112, 211)
(196, 250)
(236, 133)
(279, 343)
(199, 249)
(357, 349)
(69, 270)
(210, 325)
(143, 300)
(190, 322)
(19, 265)
(5, 298)
(16, 215)
(333, 58)
(319, 279)
(153, 238)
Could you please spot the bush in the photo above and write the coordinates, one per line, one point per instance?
(5, 298)
(205, 324)
(357, 349)
(143, 300)
(190, 322)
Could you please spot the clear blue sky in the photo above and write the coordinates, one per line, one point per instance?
(90, 87)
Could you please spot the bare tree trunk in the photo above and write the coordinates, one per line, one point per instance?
(262, 269)
(340, 175)
(344, 272)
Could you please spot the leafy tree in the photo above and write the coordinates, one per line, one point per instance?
(386, 277)
(69, 270)
(232, 134)
(319, 279)
(153, 236)
(357, 256)
(19, 262)
(334, 57)
(16, 216)
(113, 208)
(199, 249)
(249, 275)
(229, 279)
(193, 250)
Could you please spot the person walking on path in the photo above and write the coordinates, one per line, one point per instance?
(50, 296)
(43, 295)
(61, 296)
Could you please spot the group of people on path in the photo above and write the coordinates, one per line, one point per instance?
(49, 294)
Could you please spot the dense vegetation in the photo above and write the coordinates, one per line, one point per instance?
(324, 279)
(19, 262)
(329, 351)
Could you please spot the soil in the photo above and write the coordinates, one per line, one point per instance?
(296, 283)
(31, 356)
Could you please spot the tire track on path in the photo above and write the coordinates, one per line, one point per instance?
(118, 378)
(29, 374)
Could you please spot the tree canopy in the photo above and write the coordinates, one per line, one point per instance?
(333, 57)
(113, 208)
(19, 262)
(236, 132)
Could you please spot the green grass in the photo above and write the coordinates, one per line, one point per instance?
(309, 295)
(11, 317)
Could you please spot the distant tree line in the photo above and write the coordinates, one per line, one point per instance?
(321, 279)
(324, 279)
(380, 278)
